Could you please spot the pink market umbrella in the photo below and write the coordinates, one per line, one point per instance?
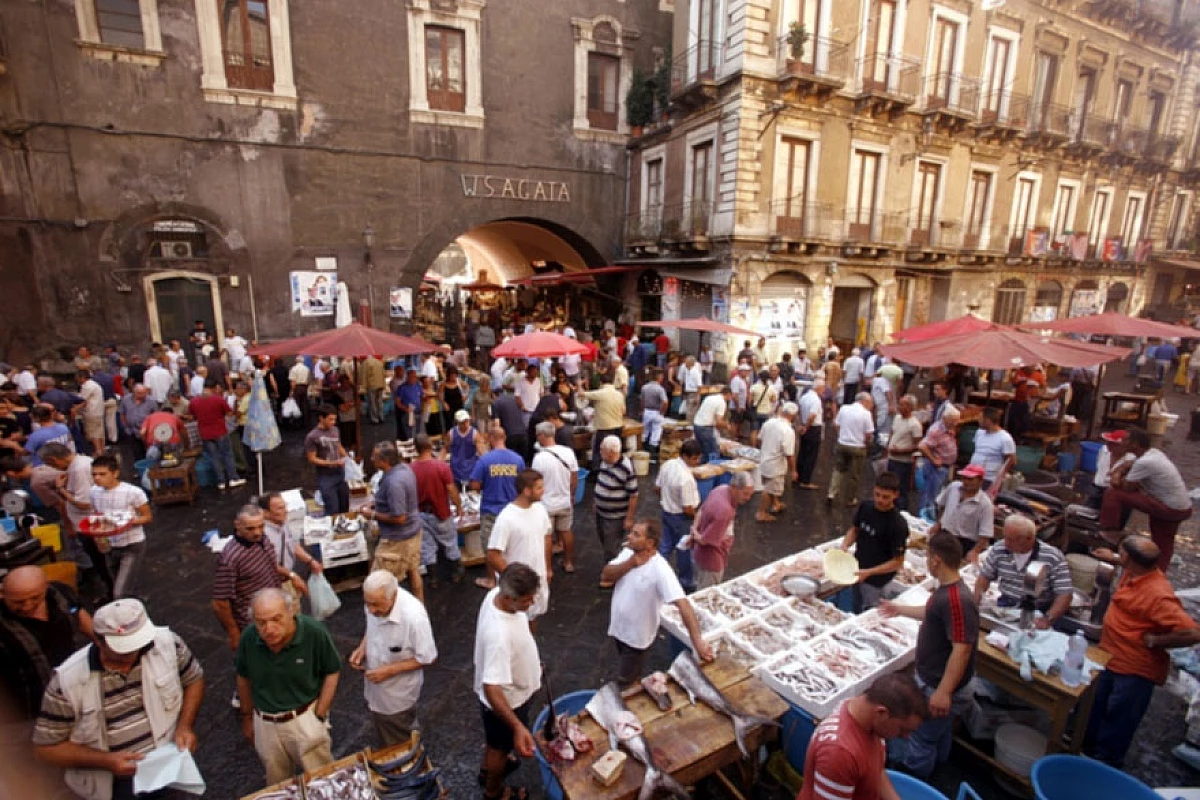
(540, 344)
(948, 327)
(352, 341)
(703, 324)
(1002, 348)
(1112, 324)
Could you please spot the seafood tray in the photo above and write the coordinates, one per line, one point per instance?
(824, 614)
(749, 595)
(792, 625)
(901, 632)
(348, 783)
(670, 615)
(723, 644)
(804, 683)
(722, 608)
(760, 638)
(870, 648)
(915, 570)
(770, 577)
(839, 661)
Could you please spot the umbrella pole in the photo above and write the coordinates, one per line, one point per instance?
(357, 413)
(1096, 399)
(260, 472)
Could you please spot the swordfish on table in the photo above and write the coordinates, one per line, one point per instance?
(687, 673)
(609, 710)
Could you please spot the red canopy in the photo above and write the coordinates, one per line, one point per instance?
(1002, 348)
(552, 278)
(698, 324)
(539, 344)
(948, 327)
(352, 341)
(1112, 324)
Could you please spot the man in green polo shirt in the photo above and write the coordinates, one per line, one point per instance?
(287, 674)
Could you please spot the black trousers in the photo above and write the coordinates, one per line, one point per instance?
(810, 448)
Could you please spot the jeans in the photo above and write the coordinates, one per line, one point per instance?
(706, 435)
(438, 534)
(335, 493)
(932, 479)
(1121, 702)
(675, 527)
(220, 456)
(929, 745)
(904, 471)
(123, 563)
(810, 448)
(847, 470)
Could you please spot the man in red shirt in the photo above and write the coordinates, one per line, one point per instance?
(210, 411)
(435, 491)
(712, 534)
(662, 346)
(1144, 620)
(846, 756)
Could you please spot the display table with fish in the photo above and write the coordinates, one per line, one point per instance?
(403, 771)
(689, 741)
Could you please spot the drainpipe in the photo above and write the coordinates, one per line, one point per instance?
(253, 308)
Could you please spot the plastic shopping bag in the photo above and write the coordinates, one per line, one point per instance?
(291, 409)
(322, 597)
(353, 469)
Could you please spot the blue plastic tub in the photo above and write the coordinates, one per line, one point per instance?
(1066, 463)
(796, 730)
(909, 788)
(571, 703)
(583, 474)
(140, 467)
(704, 486)
(725, 477)
(1088, 453)
(206, 476)
(1071, 777)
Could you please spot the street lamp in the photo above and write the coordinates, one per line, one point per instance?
(368, 239)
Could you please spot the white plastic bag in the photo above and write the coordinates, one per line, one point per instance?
(322, 597)
(353, 469)
(291, 409)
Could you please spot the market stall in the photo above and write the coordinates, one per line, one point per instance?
(361, 776)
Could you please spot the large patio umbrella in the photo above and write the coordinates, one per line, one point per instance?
(702, 324)
(262, 433)
(539, 344)
(354, 341)
(1113, 324)
(947, 327)
(998, 347)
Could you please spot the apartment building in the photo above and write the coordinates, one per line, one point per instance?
(851, 168)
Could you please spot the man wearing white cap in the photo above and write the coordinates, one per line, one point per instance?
(138, 688)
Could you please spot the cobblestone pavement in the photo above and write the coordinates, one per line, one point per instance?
(571, 636)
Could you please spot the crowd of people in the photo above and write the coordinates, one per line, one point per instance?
(508, 433)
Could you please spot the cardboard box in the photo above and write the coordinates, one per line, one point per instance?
(296, 505)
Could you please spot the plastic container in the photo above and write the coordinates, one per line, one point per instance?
(1018, 747)
(1083, 571)
(1071, 777)
(909, 788)
(583, 474)
(796, 728)
(1088, 453)
(571, 703)
(206, 477)
(1066, 463)
(1029, 459)
(1156, 424)
(141, 466)
(641, 463)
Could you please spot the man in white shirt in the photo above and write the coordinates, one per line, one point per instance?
(498, 370)
(803, 364)
(777, 448)
(26, 381)
(394, 651)
(429, 367)
(529, 392)
(235, 348)
(906, 434)
(560, 471)
(508, 672)
(157, 380)
(852, 379)
(885, 404)
(288, 544)
(810, 426)
(173, 354)
(855, 427)
(708, 418)
(643, 582)
(620, 372)
(92, 410)
(739, 394)
(522, 533)
(111, 496)
(995, 449)
(679, 499)
(196, 384)
(692, 378)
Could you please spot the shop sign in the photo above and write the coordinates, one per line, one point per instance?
(500, 187)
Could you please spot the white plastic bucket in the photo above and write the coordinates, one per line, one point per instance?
(1083, 571)
(641, 463)
(1156, 424)
(1018, 747)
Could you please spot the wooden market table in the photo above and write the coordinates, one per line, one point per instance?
(691, 742)
(1115, 417)
(1046, 693)
(469, 540)
(176, 484)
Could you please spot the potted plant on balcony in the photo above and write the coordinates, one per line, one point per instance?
(797, 38)
(662, 88)
(639, 102)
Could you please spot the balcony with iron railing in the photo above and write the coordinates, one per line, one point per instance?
(823, 66)
(893, 81)
(936, 235)
(694, 74)
(952, 94)
(643, 227)
(1048, 121)
(1002, 110)
(1126, 141)
(1089, 132)
(686, 221)
(886, 229)
(795, 220)
(1160, 150)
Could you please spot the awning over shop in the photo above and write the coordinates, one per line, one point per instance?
(1180, 263)
(713, 277)
(557, 278)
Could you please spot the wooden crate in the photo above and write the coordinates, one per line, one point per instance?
(383, 754)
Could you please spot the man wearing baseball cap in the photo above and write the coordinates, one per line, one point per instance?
(136, 689)
(1114, 458)
(967, 513)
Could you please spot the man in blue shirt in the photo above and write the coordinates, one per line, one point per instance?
(495, 478)
(399, 518)
(47, 431)
(1164, 355)
(408, 396)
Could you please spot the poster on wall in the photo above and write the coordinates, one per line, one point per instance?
(670, 298)
(1085, 302)
(739, 314)
(720, 304)
(781, 318)
(1043, 314)
(314, 294)
(401, 302)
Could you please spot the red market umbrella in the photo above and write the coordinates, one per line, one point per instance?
(1112, 324)
(352, 341)
(539, 344)
(553, 278)
(948, 327)
(1002, 348)
(703, 324)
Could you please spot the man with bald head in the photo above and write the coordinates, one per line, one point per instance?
(287, 675)
(1144, 620)
(1006, 561)
(135, 408)
(41, 624)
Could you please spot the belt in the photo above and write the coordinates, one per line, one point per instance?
(286, 716)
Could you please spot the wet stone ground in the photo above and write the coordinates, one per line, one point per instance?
(571, 637)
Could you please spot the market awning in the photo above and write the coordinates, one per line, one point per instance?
(947, 327)
(714, 277)
(1002, 348)
(556, 278)
(1182, 263)
(1111, 324)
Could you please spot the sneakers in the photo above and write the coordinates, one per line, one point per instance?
(237, 482)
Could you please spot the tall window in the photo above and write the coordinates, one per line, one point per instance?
(1085, 95)
(997, 78)
(810, 18)
(880, 32)
(1124, 103)
(1023, 217)
(602, 84)
(701, 186)
(1154, 114)
(797, 162)
(1064, 210)
(120, 23)
(445, 81)
(654, 186)
(1044, 78)
(864, 190)
(1009, 306)
(929, 178)
(246, 39)
(945, 42)
(1131, 226)
(1177, 230)
(1098, 221)
(977, 208)
(706, 37)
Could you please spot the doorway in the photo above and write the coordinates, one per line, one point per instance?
(850, 320)
(177, 301)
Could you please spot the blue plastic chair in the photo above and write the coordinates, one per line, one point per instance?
(909, 788)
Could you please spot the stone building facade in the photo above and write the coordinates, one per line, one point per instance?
(853, 168)
(172, 160)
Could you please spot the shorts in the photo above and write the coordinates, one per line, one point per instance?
(561, 521)
(398, 556)
(496, 733)
(486, 523)
(773, 486)
(93, 427)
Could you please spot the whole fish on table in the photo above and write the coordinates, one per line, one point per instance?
(609, 710)
(687, 673)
